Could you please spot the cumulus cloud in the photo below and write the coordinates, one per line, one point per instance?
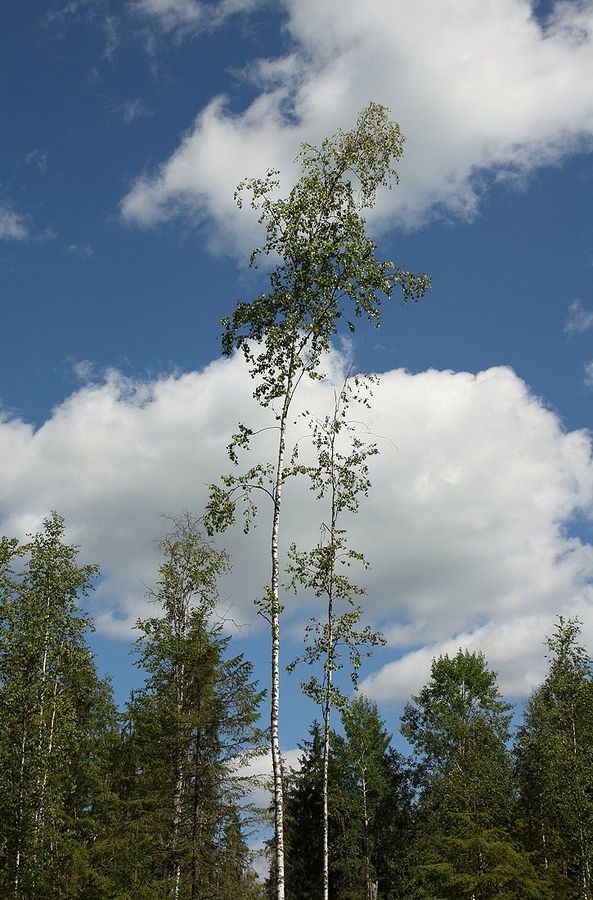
(579, 319)
(467, 528)
(482, 89)
(13, 225)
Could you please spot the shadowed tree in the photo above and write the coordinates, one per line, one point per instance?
(55, 714)
(189, 729)
(370, 797)
(554, 753)
(458, 726)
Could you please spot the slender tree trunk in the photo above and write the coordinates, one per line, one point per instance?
(329, 662)
(20, 819)
(367, 859)
(196, 817)
(326, 733)
(180, 627)
(50, 745)
(178, 791)
(275, 635)
(42, 772)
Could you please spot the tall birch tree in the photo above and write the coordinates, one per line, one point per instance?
(328, 273)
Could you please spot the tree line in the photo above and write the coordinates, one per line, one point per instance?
(149, 801)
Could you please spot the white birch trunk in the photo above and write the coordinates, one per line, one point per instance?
(21, 810)
(367, 862)
(326, 731)
(275, 634)
(179, 785)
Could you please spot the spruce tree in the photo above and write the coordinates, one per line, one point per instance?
(554, 754)
(304, 821)
(458, 726)
(192, 725)
(55, 715)
(370, 803)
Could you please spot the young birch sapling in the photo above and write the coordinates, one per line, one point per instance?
(340, 477)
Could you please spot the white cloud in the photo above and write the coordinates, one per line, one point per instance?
(515, 649)
(13, 226)
(466, 526)
(192, 15)
(479, 87)
(258, 771)
(589, 374)
(579, 319)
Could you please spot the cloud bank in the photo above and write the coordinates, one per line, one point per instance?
(482, 89)
(467, 528)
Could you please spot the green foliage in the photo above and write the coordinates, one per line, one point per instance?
(458, 726)
(327, 267)
(304, 820)
(176, 828)
(55, 717)
(318, 233)
(339, 476)
(554, 754)
(370, 805)
(476, 864)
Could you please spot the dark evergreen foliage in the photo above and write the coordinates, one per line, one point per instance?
(149, 806)
(554, 754)
(187, 731)
(370, 804)
(304, 821)
(56, 716)
(458, 726)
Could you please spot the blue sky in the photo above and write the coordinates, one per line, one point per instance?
(126, 127)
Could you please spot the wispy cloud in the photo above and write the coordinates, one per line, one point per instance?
(84, 251)
(38, 159)
(112, 36)
(67, 12)
(84, 370)
(192, 15)
(13, 226)
(579, 318)
(75, 12)
(130, 110)
(589, 374)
